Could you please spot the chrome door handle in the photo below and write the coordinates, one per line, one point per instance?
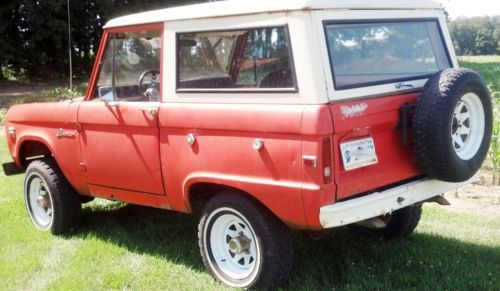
(151, 111)
(403, 85)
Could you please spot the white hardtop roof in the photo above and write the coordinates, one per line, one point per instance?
(242, 7)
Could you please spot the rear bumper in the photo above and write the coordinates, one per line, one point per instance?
(380, 203)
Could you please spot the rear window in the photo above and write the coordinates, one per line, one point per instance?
(378, 52)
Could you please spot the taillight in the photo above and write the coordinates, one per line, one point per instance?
(327, 160)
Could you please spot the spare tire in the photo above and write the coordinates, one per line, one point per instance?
(452, 125)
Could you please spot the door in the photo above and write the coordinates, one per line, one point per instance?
(120, 135)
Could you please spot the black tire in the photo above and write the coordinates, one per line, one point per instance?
(403, 222)
(60, 198)
(400, 224)
(436, 129)
(273, 245)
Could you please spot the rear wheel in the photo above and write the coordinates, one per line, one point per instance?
(399, 224)
(242, 244)
(403, 222)
(51, 203)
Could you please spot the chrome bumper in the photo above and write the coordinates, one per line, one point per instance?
(385, 202)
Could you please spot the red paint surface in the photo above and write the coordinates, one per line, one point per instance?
(223, 153)
(120, 146)
(380, 120)
(39, 123)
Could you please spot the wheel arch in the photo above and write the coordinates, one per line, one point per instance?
(199, 190)
(31, 147)
(202, 192)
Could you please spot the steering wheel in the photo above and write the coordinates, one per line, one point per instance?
(151, 90)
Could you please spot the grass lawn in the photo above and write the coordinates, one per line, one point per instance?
(122, 246)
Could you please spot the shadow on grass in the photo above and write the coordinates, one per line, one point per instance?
(342, 260)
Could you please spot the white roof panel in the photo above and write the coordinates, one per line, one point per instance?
(242, 7)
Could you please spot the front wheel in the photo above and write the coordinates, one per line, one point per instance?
(51, 203)
(242, 244)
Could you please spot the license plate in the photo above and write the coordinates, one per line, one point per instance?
(358, 153)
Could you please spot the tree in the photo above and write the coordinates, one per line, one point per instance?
(34, 33)
(476, 35)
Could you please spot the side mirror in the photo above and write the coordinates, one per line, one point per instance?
(106, 93)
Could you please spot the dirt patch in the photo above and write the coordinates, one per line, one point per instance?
(475, 199)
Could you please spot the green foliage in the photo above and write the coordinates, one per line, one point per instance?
(489, 68)
(56, 94)
(476, 35)
(495, 141)
(3, 113)
(35, 33)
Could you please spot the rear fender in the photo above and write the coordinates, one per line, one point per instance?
(265, 191)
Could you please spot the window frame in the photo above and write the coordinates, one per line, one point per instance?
(294, 89)
(103, 46)
(435, 20)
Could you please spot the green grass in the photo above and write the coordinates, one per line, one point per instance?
(122, 246)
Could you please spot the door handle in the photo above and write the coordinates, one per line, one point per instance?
(151, 111)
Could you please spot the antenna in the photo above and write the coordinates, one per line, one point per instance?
(69, 52)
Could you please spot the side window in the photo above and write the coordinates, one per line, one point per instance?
(130, 69)
(243, 59)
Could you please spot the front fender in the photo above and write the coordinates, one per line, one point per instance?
(21, 141)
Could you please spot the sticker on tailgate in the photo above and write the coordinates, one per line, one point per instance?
(358, 153)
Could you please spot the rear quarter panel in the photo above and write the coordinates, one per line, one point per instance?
(223, 153)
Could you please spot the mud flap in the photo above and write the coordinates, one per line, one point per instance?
(11, 169)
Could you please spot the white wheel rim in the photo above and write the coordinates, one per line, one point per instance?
(233, 250)
(39, 201)
(467, 126)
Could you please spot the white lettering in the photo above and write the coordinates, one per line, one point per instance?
(354, 110)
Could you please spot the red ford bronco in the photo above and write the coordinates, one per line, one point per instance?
(273, 115)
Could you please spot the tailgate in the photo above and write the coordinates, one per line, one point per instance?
(379, 119)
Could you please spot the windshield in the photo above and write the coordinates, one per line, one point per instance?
(378, 52)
